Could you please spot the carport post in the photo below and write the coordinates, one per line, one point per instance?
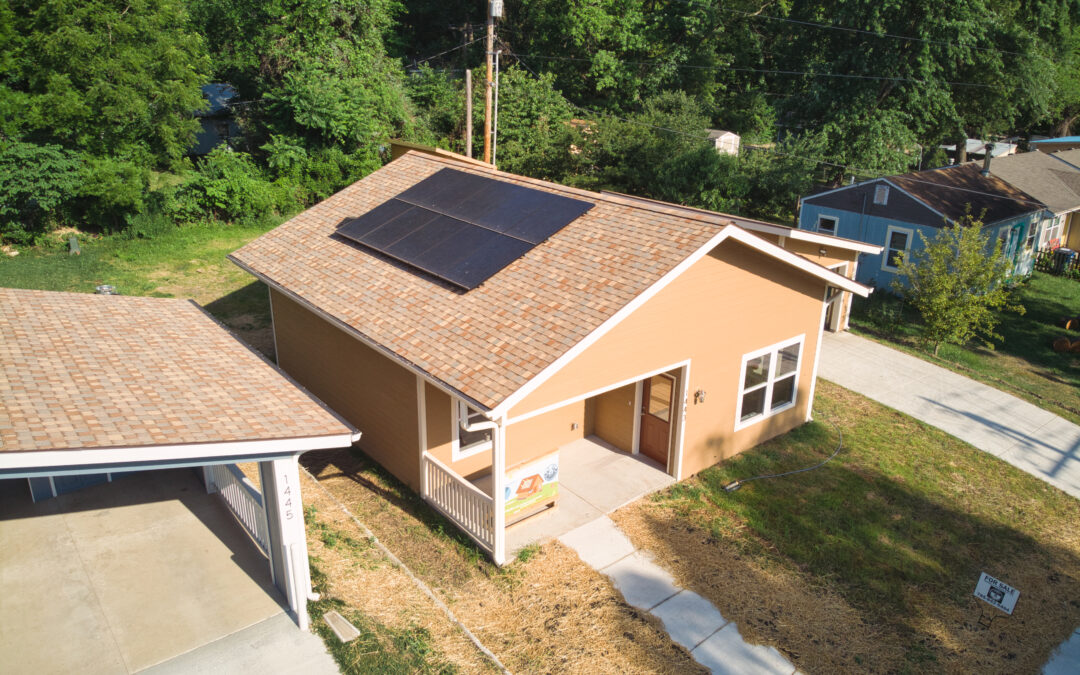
(280, 480)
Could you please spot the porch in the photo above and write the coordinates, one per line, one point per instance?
(594, 479)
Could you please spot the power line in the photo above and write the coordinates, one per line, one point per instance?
(879, 78)
(452, 49)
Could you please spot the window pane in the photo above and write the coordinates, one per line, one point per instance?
(788, 360)
(757, 371)
(898, 240)
(827, 226)
(783, 392)
(660, 396)
(753, 404)
(472, 439)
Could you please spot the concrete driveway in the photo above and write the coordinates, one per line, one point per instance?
(1024, 435)
(127, 575)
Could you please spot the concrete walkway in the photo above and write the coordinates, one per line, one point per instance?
(1028, 437)
(690, 619)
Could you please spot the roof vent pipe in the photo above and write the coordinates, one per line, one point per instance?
(987, 158)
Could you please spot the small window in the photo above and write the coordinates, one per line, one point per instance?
(897, 244)
(881, 194)
(770, 381)
(826, 225)
(468, 443)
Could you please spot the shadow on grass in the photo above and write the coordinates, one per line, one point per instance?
(898, 552)
(246, 311)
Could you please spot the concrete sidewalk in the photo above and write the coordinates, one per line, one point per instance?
(1028, 437)
(689, 619)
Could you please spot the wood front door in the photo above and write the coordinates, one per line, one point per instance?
(657, 397)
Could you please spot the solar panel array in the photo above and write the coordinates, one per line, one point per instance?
(463, 228)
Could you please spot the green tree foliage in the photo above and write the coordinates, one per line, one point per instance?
(228, 186)
(116, 78)
(957, 282)
(36, 183)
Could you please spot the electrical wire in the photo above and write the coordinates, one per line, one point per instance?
(448, 51)
(735, 485)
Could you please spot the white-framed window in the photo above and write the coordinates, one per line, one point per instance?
(897, 243)
(468, 443)
(1032, 232)
(826, 224)
(881, 194)
(1051, 234)
(769, 381)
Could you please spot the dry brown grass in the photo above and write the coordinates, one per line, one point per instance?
(550, 613)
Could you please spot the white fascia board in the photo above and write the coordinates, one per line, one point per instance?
(921, 201)
(838, 242)
(729, 231)
(838, 189)
(165, 453)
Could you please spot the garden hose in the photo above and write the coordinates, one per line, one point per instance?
(735, 485)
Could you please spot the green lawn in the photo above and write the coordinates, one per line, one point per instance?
(181, 262)
(882, 546)
(1022, 364)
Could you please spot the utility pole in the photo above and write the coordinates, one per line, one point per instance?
(468, 112)
(494, 10)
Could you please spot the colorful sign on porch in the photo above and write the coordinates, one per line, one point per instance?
(531, 485)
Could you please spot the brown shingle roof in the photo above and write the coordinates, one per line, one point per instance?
(953, 189)
(489, 342)
(93, 371)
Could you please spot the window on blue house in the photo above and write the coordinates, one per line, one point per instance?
(897, 244)
(826, 224)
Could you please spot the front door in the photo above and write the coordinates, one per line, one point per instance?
(657, 396)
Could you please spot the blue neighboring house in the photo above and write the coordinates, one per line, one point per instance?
(892, 211)
(218, 125)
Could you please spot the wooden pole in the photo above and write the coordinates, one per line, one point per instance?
(468, 113)
(488, 83)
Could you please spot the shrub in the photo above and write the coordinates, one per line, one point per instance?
(229, 186)
(36, 183)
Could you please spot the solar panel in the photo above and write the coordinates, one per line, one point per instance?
(462, 228)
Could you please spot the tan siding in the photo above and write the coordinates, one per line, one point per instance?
(440, 436)
(734, 301)
(1072, 234)
(544, 434)
(614, 417)
(833, 256)
(372, 392)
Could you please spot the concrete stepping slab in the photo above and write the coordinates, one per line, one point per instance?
(726, 653)
(1066, 659)
(642, 582)
(598, 543)
(689, 618)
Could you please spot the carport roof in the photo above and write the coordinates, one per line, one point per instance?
(82, 371)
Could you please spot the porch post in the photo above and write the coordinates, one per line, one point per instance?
(498, 483)
(280, 480)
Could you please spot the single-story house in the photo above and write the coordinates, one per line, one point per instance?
(217, 122)
(725, 142)
(892, 211)
(1050, 145)
(475, 324)
(1053, 182)
(99, 386)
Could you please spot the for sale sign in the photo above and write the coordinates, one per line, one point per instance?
(997, 593)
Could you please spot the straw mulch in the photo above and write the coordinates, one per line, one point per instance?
(551, 613)
(808, 620)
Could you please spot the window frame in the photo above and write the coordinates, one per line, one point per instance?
(457, 453)
(885, 266)
(773, 351)
(835, 223)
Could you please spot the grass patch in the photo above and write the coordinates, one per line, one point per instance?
(1023, 364)
(180, 262)
(882, 545)
(378, 649)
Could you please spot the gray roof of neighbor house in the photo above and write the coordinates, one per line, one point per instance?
(490, 342)
(1070, 157)
(80, 371)
(933, 196)
(1049, 180)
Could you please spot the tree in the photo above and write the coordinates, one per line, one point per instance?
(958, 283)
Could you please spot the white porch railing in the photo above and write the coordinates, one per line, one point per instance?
(460, 501)
(243, 499)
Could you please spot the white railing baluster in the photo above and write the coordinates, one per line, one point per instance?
(460, 501)
(243, 500)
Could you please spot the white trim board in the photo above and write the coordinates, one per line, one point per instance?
(729, 232)
(165, 453)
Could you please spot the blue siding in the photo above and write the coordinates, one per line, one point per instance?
(873, 230)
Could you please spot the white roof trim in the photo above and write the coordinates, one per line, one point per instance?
(872, 180)
(25, 459)
(728, 232)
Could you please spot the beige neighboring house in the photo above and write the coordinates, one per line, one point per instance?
(725, 142)
(1054, 183)
(665, 336)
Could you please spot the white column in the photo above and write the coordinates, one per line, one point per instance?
(280, 480)
(498, 487)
